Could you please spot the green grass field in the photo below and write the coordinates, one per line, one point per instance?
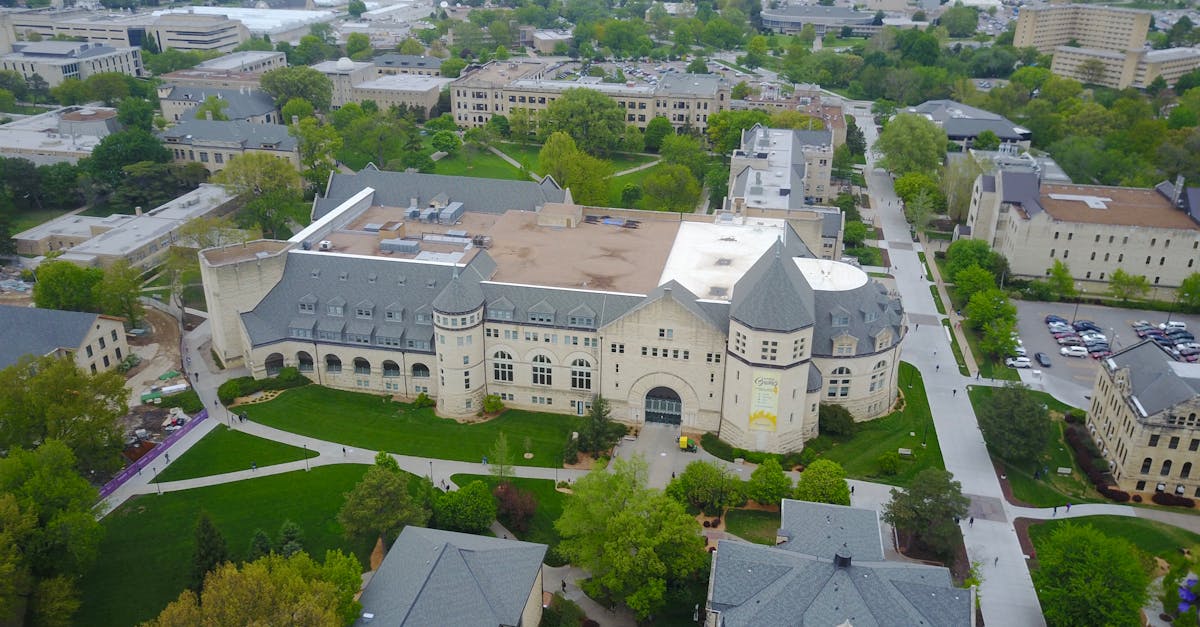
(480, 163)
(1052, 489)
(527, 155)
(146, 554)
(1149, 536)
(378, 423)
(858, 454)
(226, 450)
(24, 220)
(753, 525)
(959, 360)
(549, 507)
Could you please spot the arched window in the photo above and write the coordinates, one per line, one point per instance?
(541, 371)
(391, 369)
(333, 365)
(361, 366)
(581, 374)
(420, 371)
(1146, 463)
(839, 385)
(502, 367)
(881, 365)
(840, 370)
(1187, 471)
(274, 364)
(304, 361)
(1166, 468)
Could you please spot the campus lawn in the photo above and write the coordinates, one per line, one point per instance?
(527, 155)
(906, 428)
(24, 220)
(226, 450)
(1053, 488)
(753, 525)
(378, 423)
(1149, 536)
(481, 163)
(145, 557)
(549, 508)
(988, 366)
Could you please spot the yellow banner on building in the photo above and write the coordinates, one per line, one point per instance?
(764, 401)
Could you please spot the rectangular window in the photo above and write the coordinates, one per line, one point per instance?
(542, 318)
(1174, 443)
(666, 333)
(713, 358)
(88, 350)
(1194, 445)
(103, 345)
(1153, 440)
(617, 348)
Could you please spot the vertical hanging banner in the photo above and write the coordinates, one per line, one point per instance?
(764, 401)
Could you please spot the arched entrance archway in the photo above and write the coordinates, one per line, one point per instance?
(664, 405)
(274, 364)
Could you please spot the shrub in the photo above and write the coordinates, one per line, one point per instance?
(1137, 498)
(571, 451)
(1074, 417)
(514, 506)
(189, 401)
(889, 463)
(1114, 494)
(835, 420)
(233, 389)
(492, 404)
(1166, 498)
(422, 401)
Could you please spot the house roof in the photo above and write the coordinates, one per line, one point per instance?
(1157, 381)
(243, 103)
(869, 312)
(821, 529)
(1021, 188)
(38, 332)
(964, 121)
(397, 189)
(407, 61)
(759, 585)
(434, 577)
(241, 132)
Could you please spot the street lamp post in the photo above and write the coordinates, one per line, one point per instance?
(1175, 305)
(431, 470)
(1078, 298)
(305, 458)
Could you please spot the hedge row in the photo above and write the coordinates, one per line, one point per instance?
(189, 401)
(245, 386)
(1166, 498)
(723, 450)
(1093, 463)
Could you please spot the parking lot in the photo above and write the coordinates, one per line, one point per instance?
(1114, 321)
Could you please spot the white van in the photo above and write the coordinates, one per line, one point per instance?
(1174, 324)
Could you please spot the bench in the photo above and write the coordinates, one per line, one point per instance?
(905, 452)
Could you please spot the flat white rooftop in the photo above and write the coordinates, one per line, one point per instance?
(825, 275)
(260, 21)
(708, 259)
(235, 61)
(405, 82)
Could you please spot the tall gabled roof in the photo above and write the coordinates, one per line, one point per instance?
(1157, 382)
(773, 295)
(397, 189)
(39, 332)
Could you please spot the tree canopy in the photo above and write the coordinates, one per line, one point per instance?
(1015, 424)
(912, 143)
(823, 481)
(298, 82)
(591, 118)
(706, 486)
(469, 509)
(634, 540)
(929, 510)
(258, 173)
(381, 504)
(1087, 578)
(768, 484)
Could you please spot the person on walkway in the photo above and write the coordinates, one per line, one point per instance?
(997, 561)
(343, 451)
(954, 392)
(937, 368)
(253, 466)
(1055, 511)
(564, 585)
(1068, 508)
(167, 456)
(971, 521)
(851, 489)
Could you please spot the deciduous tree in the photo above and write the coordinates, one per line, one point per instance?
(671, 188)
(705, 486)
(318, 144)
(1087, 578)
(1189, 291)
(1125, 286)
(912, 143)
(118, 150)
(1061, 281)
(635, 541)
(469, 509)
(258, 173)
(686, 151)
(823, 481)
(1015, 424)
(446, 141)
(591, 118)
(971, 280)
(66, 286)
(380, 505)
(500, 459)
(928, 510)
(119, 292)
(213, 106)
(411, 46)
(298, 82)
(768, 484)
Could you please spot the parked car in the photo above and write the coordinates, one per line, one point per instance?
(1096, 348)
(1150, 333)
(1020, 352)
(1070, 340)
(1086, 325)
(1174, 324)
(1178, 333)
(1073, 351)
(1101, 354)
(1058, 335)
(1093, 337)
(1053, 318)
(1018, 362)
(1043, 359)
(1140, 324)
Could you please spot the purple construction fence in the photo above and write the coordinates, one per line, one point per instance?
(136, 467)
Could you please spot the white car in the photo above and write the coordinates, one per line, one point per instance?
(1022, 362)
(1073, 351)
(1174, 324)
(1020, 351)
(1090, 335)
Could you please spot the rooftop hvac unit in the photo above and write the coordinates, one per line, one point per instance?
(429, 215)
(397, 245)
(326, 245)
(372, 227)
(413, 213)
(451, 214)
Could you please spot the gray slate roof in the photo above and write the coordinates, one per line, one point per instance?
(246, 134)
(773, 295)
(397, 189)
(38, 332)
(559, 303)
(1157, 381)
(408, 61)
(821, 529)
(1021, 188)
(433, 577)
(462, 295)
(869, 301)
(243, 104)
(755, 585)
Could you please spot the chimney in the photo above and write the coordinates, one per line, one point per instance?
(137, 211)
(841, 559)
(1177, 200)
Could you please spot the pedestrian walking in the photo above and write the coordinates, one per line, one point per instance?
(918, 326)
(253, 466)
(564, 585)
(1068, 508)
(996, 562)
(343, 451)
(1055, 511)
(167, 456)
(971, 521)
(851, 489)
(937, 368)
(954, 392)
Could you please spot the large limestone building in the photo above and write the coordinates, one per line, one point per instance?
(1144, 419)
(1094, 229)
(458, 288)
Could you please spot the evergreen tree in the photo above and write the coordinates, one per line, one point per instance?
(260, 546)
(211, 550)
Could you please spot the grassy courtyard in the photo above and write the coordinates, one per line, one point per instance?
(527, 155)
(910, 428)
(144, 557)
(753, 525)
(379, 423)
(226, 450)
(1051, 488)
(549, 508)
(1149, 536)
